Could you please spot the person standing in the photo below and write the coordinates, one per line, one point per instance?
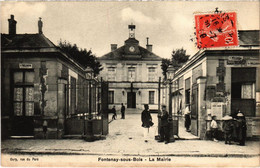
(187, 118)
(114, 113)
(44, 128)
(228, 128)
(122, 111)
(214, 128)
(164, 129)
(241, 128)
(146, 119)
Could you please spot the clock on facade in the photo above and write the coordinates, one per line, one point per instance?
(132, 49)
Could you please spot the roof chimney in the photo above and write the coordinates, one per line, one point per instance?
(149, 47)
(40, 25)
(12, 25)
(113, 47)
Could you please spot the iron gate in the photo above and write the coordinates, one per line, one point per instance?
(86, 99)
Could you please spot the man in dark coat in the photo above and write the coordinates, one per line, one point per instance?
(164, 129)
(114, 113)
(241, 128)
(146, 121)
(123, 111)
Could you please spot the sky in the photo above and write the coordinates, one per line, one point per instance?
(95, 25)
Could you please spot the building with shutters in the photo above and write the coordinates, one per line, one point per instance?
(220, 81)
(39, 82)
(133, 73)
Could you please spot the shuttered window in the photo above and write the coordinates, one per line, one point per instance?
(151, 74)
(131, 74)
(111, 73)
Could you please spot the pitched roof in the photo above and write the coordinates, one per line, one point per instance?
(248, 37)
(119, 54)
(25, 41)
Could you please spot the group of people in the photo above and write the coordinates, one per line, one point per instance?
(113, 110)
(234, 128)
(164, 126)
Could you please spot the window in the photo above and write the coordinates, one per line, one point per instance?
(151, 74)
(151, 97)
(131, 73)
(111, 73)
(248, 91)
(110, 97)
(23, 97)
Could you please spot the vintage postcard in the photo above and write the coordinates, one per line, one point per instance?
(130, 84)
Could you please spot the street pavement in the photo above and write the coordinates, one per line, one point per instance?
(126, 138)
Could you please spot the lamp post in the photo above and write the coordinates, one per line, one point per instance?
(170, 76)
(89, 131)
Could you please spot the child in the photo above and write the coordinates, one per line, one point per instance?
(228, 128)
(214, 128)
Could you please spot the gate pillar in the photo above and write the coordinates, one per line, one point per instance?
(202, 114)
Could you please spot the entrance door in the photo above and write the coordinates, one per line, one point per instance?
(194, 110)
(131, 100)
(23, 103)
(243, 91)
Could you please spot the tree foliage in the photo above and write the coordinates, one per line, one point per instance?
(83, 57)
(164, 66)
(179, 57)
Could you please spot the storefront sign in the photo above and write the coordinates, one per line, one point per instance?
(217, 109)
(25, 66)
(252, 63)
(236, 60)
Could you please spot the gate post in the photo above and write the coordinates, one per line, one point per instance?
(202, 115)
(89, 131)
(61, 106)
(104, 107)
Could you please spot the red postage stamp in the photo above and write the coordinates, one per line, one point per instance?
(216, 30)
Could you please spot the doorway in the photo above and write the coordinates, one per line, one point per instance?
(131, 100)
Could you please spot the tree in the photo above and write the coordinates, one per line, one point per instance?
(179, 57)
(164, 66)
(81, 56)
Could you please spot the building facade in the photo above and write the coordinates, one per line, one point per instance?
(133, 73)
(41, 86)
(220, 82)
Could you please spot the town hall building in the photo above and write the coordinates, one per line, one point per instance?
(133, 73)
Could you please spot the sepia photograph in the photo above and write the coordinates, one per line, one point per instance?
(130, 83)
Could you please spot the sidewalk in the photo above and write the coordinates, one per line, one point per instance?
(125, 138)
